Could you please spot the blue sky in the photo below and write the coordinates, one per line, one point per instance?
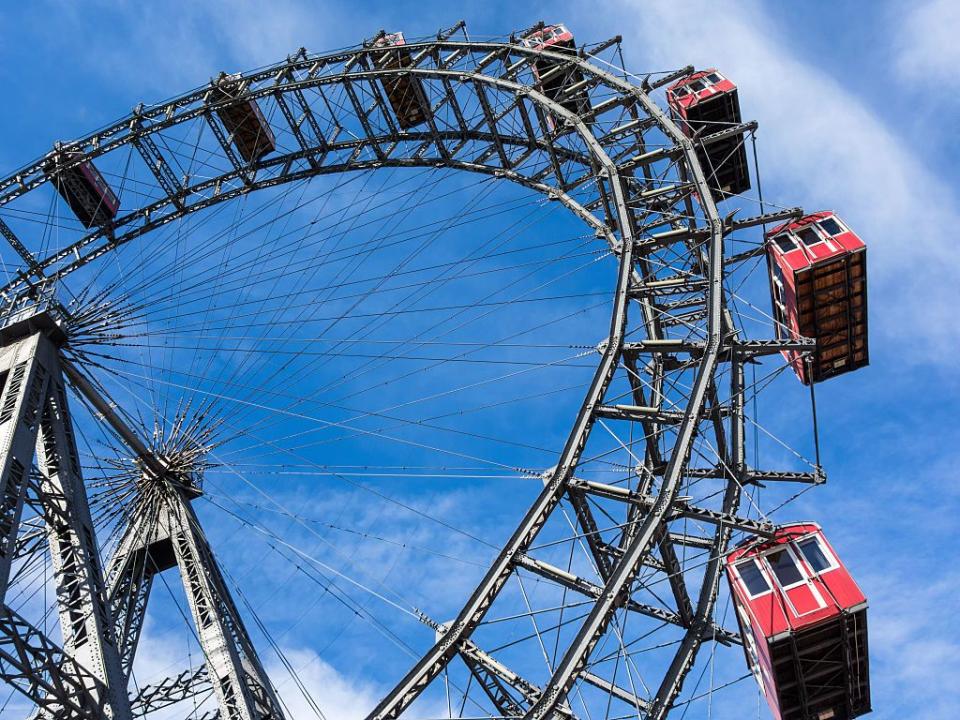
(857, 105)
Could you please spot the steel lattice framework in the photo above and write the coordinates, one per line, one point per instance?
(670, 370)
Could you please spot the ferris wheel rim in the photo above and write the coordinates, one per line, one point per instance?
(622, 247)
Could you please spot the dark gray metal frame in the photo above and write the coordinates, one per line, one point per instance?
(610, 168)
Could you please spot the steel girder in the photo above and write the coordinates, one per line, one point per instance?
(242, 688)
(523, 136)
(40, 670)
(188, 684)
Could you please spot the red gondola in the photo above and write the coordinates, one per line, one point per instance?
(706, 102)
(804, 625)
(405, 93)
(83, 187)
(554, 81)
(818, 282)
(249, 129)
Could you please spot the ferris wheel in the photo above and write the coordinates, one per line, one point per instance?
(470, 363)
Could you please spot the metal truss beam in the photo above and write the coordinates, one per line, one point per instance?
(233, 671)
(668, 78)
(777, 216)
(683, 660)
(85, 620)
(746, 348)
(509, 692)
(589, 589)
(498, 681)
(681, 508)
(24, 387)
(617, 589)
(242, 692)
(728, 132)
(129, 580)
(240, 168)
(41, 671)
(20, 248)
(295, 128)
(309, 72)
(188, 684)
(591, 532)
(816, 477)
(616, 691)
(158, 164)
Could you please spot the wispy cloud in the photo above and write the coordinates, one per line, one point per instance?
(822, 146)
(925, 37)
(337, 696)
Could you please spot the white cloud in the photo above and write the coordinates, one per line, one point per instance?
(162, 653)
(910, 650)
(822, 146)
(926, 41)
(337, 696)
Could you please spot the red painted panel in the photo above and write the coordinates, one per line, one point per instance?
(687, 92)
(550, 35)
(821, 595)
(809, 607)
(803, 256)
(391, 39)
(820, 265)
(757, 653)
(804, 599)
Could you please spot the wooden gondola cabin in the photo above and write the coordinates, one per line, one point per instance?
(248, 128)
(803, 621)
(705, 103)
(553, 78)
(83, 188)
(818, 282)
(405, 93)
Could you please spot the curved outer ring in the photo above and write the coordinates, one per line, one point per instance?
(445, 649)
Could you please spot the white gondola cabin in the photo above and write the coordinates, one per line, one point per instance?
(249, 129)
(405, 93)
(818, 283)
(705, 103)
(554, 79)
(803, 621)
(83, 188)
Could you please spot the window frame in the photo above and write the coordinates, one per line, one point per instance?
(801, 568)
(780, 315)
(812, 227)
(833, 563)
(760, 569)
(785, 235)
(843, 228)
